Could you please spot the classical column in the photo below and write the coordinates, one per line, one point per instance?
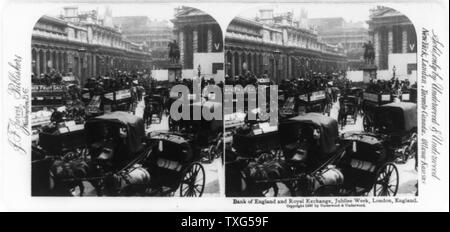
(181, 45)
(254, 63)
(249, 61)
(38, 62)
(210, 40)
(232, 63)
(45, 61)
(94, 65)
(51, 60)
(79, 67)
(239, 66)
(289, 67)
(195, 40)
(376, 42)
(56, 65)
(66, 61)
(70, 62)
(61, 61)
(257, 68)
(390, 41)
(404, 40)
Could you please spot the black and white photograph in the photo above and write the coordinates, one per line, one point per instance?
(240, 108)
(101, 81)
(347, 94)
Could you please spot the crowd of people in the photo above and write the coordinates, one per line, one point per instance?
(392, 86)
(76, 98)
(52, 77)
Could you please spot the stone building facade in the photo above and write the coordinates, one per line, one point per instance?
(350, 35)
(395, 42)
(156, 34)
(200, 39)
(278, 46)
(78, 43)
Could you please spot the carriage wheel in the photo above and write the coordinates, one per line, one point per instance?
(387, 180)
(193, 181)
(367, 124)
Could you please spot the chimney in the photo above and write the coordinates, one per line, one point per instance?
(266, 14)
(70, 13)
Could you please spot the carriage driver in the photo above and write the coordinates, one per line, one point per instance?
(305, 146)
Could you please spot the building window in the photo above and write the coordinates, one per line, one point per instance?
(411, 67)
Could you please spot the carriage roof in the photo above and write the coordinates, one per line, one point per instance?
(407, 111)
(133, 124)
(118, 117)
(328, 129)
(153, 97)
(160, 87)
(361, 136)
(316, 119)
(175, 146)
(168, 136)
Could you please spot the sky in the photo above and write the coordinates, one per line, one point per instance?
(156, 11)
(351, 13)
(354, 12)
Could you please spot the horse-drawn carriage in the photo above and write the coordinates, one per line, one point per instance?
(207, 133)
(300, 102)
(409, 95)
(397, 124)
(154, 108)
(99, 103)
(371, 101)
(316, 161)
(256, 142)
(350, 105)
(121, 160)
(120, 100)
(48, 96)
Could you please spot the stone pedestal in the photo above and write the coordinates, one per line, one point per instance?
(174, 71)
(369, 72)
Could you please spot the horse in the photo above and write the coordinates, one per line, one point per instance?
(369, 53)
(242, 175)
(174, 53)
(66, 175)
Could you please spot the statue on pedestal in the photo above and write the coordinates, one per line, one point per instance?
(369, 53)
(174, 52)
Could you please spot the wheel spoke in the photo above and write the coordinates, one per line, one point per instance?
(183, 192)
(380, 190)
(198, 180)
